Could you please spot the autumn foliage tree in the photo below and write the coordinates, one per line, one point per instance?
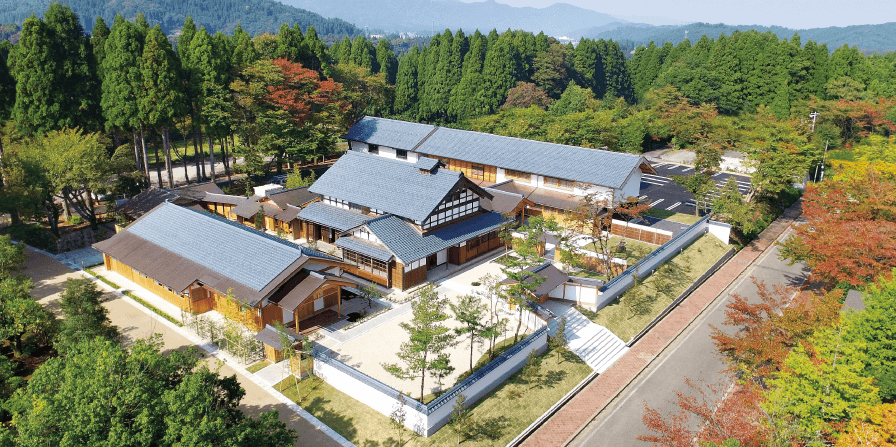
(851, 230)
(719, 416)
(769, 329)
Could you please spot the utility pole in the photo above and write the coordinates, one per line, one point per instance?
(825, 157)
(813, 115)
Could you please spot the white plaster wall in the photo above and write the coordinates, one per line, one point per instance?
(582, 295)
(720, 230)
(358, 146)
(631, 188)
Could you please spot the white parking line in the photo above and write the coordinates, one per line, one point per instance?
(653, 182)
(673, 206)
(654, 177)
(654, 203)
(642, 197)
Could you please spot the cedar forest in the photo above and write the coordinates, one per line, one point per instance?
(108, 111)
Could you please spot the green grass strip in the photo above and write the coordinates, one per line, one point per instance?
(153, 308)
(103, 279)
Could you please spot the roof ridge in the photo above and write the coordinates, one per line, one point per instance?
(543, 142)
(286, 190)
(436, 128)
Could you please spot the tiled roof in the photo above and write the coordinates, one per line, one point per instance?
(364, 248)
(595, 166)
(386, 132)
(540, 196)
(142, 203)
(330, 216)
(391, 186)
(294, 196)
(197, 191)
(246, 256)
(426, 163)
(228, 199)
(502, 202)
(409, 245)
(553, 277)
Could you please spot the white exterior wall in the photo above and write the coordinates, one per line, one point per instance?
(582, 295)
(720, 230)
(416, 420)
(631, 188)
(384, 151)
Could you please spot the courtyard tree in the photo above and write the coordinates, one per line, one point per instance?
(371, 292)
(490, 292)
(461, 418)
(428, 337)
(531, 372)
(440, 369)
(593, 217)
(398, 416)
(558, 342)
(522, 282)
(470, 313)
(83, 316)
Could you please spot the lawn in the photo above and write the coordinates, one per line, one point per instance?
(503, 259)
(634, 250)
(499, 417)
(687, 219)
(696, 259)
(258, 366)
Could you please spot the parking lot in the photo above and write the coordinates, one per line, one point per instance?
(661, 192)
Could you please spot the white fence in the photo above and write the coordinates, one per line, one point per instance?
(427, 419)
(583, 294)
(618, 285)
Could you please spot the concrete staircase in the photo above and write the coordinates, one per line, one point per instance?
(594, 344)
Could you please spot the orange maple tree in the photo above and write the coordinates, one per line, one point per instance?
(850, 233)
(768, 329)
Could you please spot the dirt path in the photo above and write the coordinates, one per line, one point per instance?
(49, 278)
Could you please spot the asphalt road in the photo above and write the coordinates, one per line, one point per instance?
(661, 192)
(692, 355)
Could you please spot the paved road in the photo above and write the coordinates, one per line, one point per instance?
(661, 192)
(691, 355)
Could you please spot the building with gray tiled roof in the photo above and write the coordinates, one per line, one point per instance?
(546, 171)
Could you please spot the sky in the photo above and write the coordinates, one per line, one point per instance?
(797, 14)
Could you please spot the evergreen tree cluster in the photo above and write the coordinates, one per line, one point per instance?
(255, 16)
(739, 72)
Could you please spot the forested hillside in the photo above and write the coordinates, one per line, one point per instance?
(422, 17)
(255, 16)
(868, 38)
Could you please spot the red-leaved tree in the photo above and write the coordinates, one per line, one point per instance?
(709, 413)
(767, 330)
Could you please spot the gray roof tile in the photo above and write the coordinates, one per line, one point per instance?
(364, 248)
(332, 217)
(409, 245)
(391, 133)
(595, 166)
(391, 186)
(232, 250)
(426, 163)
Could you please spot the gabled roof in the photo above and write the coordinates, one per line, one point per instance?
(553, 277)
(502, 202)
(197, 191)
(386, 132)
(540, 196)
(332, 217)
(144, 202)
(595, 166)
(271, 337)
(295, 196)
(230, 250)
(228, 199)
(409, 245)
(390, 186)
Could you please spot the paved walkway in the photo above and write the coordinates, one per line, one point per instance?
(593, 343)
(79, 259)
(274, 374)
(585, 406)
(135, 321)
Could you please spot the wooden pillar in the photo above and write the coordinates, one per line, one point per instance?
(339, 300)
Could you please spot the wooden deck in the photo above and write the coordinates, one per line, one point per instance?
(318, 321)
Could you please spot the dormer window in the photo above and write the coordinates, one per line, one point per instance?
(401, 154)
(373, 149)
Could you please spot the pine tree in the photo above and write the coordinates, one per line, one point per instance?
(161, 99)
(724, 62)
(406, 82)
(463, 102)
(122, 80)
(345, 51)
(318, 56)
(501, 71)
(385, 57)
(244, 52)
(7, 85)
(210, 76)
(55, 73)
(617, 81)
(98, 41)
(446, 75)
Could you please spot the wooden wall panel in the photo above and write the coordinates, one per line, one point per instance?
(414, 277)
(148, 284)
(396, 270)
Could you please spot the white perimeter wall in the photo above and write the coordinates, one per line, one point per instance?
(582, 295)
(384, 399)
(384, 151)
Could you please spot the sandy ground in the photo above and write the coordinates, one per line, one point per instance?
(49, 278)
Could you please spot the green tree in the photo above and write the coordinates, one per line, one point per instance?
(470, 313)
(823, 383)
(428, 337)
(574, 99)
(259, 218)
(464, 103)
(295, 179)
(169, 398)
(522, 282)
(700, 186)
(531, 372)
(461, 418)
(558, 342)
(161, 98)
(12, 258)
(83, 315)
(21, 315)
(122, 82)
(369, 292)
(502, 69)
(731, 208)
(98, 39)
(387, 61)
(55, 71)
(552, 70)
(406, 90)
(870, 329)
